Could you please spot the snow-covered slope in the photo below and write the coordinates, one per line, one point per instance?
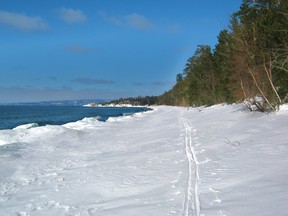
(220, 160)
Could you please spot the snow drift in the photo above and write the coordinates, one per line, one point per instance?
(220, 160)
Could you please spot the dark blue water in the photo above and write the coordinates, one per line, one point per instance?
(13, 116)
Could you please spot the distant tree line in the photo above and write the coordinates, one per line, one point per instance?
(136, 101)
(249, 62)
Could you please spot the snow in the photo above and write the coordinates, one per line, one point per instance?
(26, 126)
(219, 160)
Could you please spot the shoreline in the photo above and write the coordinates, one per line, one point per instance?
(25, 118)
(145, 165)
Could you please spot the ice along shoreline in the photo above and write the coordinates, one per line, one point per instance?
(139, 165)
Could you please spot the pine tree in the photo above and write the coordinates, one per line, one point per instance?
(224, 66)
(249, 61)
(260, 44)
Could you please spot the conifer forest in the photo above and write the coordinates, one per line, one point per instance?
(249, 63)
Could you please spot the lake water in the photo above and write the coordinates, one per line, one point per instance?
(13, 116)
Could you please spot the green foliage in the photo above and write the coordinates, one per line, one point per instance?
(136, 101)
(224, 66)
(249, 60)
(262, 38)
(179, 77)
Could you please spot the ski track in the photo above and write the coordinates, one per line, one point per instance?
(192, 200)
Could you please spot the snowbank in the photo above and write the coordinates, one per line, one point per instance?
(220, 160)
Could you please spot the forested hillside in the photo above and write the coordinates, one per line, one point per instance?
(135, 101)
(249, 62)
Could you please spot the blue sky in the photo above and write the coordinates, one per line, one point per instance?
(82, 49)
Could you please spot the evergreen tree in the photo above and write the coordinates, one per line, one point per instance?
(261, 44)
(224, 66)
(249, 61)
(200, 71)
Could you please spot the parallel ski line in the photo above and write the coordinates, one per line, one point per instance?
(192, 159)
(189, 183)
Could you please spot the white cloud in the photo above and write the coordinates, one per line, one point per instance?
(72, 16)
(22, 21)
(138, 21)
(174, 29)
(111, 19)
(133, 20)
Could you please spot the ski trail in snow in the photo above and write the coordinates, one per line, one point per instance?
(191, 199)
(187, 200)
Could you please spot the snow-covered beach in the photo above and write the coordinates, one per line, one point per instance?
(220, 160)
